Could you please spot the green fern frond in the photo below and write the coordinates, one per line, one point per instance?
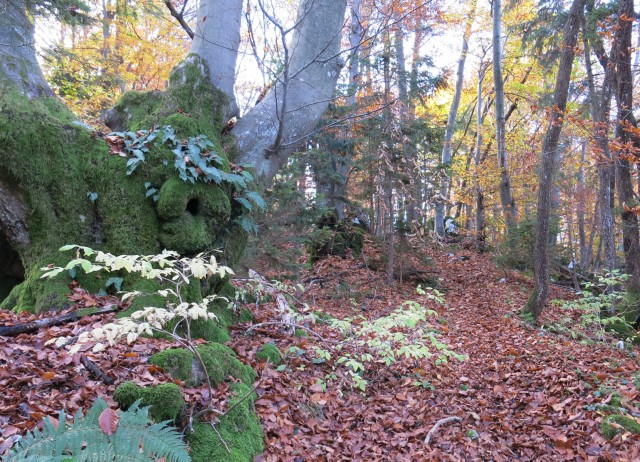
(134, 440)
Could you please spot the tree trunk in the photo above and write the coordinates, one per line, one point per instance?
(59, 184)
(19, 64)
(536, 301)
(216, 40)
(480, 236)
(445, 162)
(292, 109)
(600, 105)
(580, 211)
(506, 195)
(626, 120)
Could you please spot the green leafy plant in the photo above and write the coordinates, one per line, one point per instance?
(195, 160)
(103, 435)
(173, 274)
(596, 307)
(404, 334)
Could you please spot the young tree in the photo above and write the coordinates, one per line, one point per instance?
(536, 301)
(506, 195)
(451, 121)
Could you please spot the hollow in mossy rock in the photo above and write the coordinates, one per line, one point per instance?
(616, 423)
(269, 352)
(165, 399)
(240, 430)
(219, 360)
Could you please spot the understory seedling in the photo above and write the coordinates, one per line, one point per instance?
(101, 436)
(596, 306)
(403, 335)
(173, 274)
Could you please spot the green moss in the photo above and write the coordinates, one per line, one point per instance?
(269, 352)
(240, 430)
(301, 333)
(53, 161)
(165, 399)
(628, 424)
(220, 361)
(192, 215)
(178, 362)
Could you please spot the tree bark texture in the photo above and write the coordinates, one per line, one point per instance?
(506, 194)
(216, 40)
(445, 162)
(18, 62)
(536, 302)
(600, 113)
(313, 71)
(626, 120)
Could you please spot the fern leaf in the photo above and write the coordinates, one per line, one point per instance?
(84, 441)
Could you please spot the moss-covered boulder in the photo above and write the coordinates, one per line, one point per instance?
(220, 362)
(269, 352)
(618, 423)
(165, 399)
(240, 429)
(60, 184)
(333, 237)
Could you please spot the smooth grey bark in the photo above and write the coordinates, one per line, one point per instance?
(18, 61)
(313, 71)
(445, 161)
(506, 195)
(537, 300)
(216, 40)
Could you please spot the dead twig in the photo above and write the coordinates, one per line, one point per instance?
(280, 323)
(34, 326)
(438, 424)
(95, 370)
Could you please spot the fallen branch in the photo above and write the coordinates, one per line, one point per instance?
(34, 326)
(95, 370)
(438, 424)
(288, 324)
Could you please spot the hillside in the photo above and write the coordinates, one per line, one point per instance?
(522, 393)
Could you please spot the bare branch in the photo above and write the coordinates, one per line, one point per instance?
(179, 17)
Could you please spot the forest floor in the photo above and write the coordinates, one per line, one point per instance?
(522, 393)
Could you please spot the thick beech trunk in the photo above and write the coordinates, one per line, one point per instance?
(18, 62)
(216, 40)
(290, 112)
(50, 161)
(536, 302)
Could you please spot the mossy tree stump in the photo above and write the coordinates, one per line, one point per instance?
(60, 185)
